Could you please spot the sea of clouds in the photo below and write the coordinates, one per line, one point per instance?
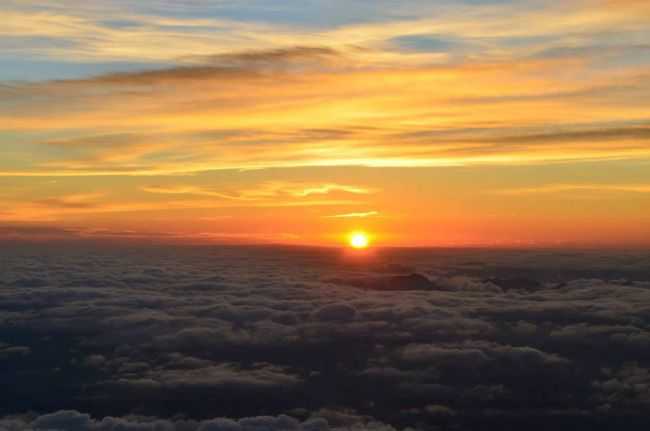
(278, 338)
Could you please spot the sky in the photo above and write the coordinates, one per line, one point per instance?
(424, 123)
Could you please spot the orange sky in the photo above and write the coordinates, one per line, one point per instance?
(486, 123)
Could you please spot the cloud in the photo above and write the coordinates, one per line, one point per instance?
(80, 201)
(161, 121)
(578, 188)
(223, 376)
(477, 355)
(7, 350)
(22, 228)
(413, 281)
(335, 312)
(127, 326)
(624, 387)
(355, 215)
(263, 191)
(437, 355)
(327, 188)
(605, 134)
(177, 197)
(22, 231)
(71, 420)
(159, 34)
(297, 58)
(66, 419)
(189, 190)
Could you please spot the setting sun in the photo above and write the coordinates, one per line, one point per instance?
(359, 240)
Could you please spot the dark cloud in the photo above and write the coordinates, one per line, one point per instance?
(335, 312)
(594, 51)
(600, 134)
(412, 281)
(269, 57)
(264, 376)
(234, 65)
(498, 138)
(171, 338)
(71, 420)
(25, 231)
(7, 350)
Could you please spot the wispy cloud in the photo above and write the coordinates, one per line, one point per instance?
(190, 190)
(190, 113)
(205, 123)
(573, 188)
(43, 232)
(59, 208)
(165, 37)
(254, 93)
(355, 215)
(268, 190)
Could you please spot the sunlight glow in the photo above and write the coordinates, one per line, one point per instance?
(359, 240)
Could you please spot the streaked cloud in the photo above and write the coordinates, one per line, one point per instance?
(267, 190)
(271, 195)
(260, 108)
(355, 215)
(577, 188)
(440, 116)
(45, 231)
(161, 35)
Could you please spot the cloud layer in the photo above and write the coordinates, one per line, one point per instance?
(184, 335)
(472, 84)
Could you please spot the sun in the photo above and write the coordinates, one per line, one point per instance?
(359, 240)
